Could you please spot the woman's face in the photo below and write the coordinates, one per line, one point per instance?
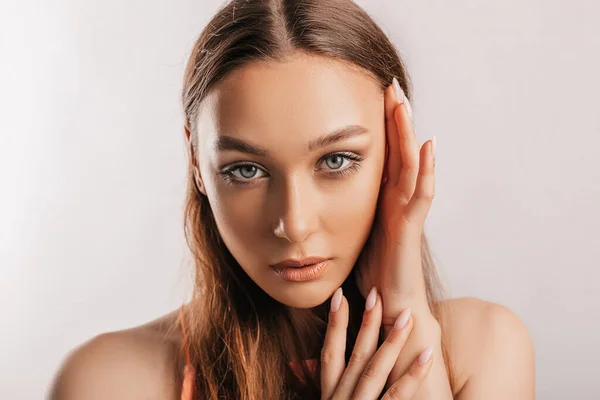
(281, 184)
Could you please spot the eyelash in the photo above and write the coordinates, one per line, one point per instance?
(353, 167)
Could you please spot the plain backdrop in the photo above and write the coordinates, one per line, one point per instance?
(92, 169)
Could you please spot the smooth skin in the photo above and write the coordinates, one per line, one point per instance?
(295, 190)
(491, 348)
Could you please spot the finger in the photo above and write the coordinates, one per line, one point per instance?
(407, 386)
(409, 152)
(394, 162)
(376, 372)
(333, 354)
(364, 348)
(419, 205)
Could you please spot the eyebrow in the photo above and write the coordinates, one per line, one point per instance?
(224, 143)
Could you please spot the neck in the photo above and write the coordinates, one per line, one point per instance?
(321, 311)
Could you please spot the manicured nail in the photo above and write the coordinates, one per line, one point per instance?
(336, 301)
(408, 108)
(402, 319)
(425, 356)
(371, 298)
(398, 91)
(433, 147)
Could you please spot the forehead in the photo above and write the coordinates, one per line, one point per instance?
(303, 97)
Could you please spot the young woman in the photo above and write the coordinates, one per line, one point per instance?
(308, 192)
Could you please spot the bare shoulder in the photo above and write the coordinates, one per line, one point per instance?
(136, 363)
(491, 350)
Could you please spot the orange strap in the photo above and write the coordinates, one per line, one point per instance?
(189, 372)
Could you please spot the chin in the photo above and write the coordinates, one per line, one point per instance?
(307, 295)
(303, 296)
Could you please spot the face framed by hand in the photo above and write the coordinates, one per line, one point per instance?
(291, 157)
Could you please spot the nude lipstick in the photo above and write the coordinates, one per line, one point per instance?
(301, 270)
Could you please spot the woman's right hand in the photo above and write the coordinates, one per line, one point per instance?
(368, 367)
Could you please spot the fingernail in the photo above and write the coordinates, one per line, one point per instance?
(371, 298)
(398, 91)
(409, 109)
(433, 147)
(402, 319)
(425, 356)
(336, 301)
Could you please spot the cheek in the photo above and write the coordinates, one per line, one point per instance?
(238, 218)
(351, 210)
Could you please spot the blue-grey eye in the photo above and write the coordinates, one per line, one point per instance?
(337, 161)
(246, 171)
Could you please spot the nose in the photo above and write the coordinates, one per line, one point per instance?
(298, 205)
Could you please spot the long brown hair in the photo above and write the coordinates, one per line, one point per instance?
(241, 339)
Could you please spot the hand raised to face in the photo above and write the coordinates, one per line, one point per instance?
(391, 260)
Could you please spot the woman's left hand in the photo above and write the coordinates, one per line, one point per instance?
(391, 259)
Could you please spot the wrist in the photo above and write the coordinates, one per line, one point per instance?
(394, 303)
(425, 326)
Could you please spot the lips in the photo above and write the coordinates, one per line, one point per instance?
(297, 263)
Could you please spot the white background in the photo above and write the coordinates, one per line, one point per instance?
(92, 169)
